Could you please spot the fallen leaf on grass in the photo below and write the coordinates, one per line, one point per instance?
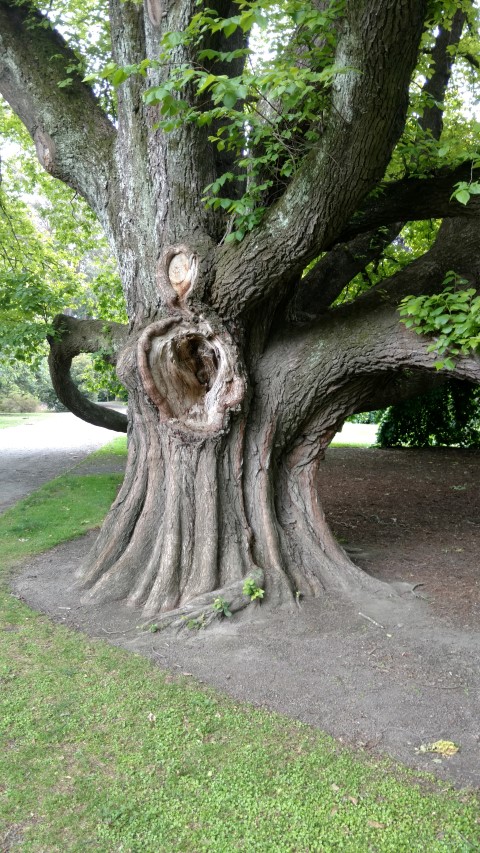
(375, 824)
(334, 787)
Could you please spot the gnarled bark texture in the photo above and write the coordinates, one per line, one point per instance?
(239, 372)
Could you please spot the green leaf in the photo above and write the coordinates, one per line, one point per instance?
(463, 196)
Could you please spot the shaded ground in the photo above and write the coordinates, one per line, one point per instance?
(412, 515)
(387, 676)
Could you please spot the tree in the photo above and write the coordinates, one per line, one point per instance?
(53, 257)
(241, 202)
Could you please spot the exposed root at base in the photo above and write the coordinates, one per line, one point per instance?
(202, 610)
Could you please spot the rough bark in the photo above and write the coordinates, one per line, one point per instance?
(368, 111)
(72, 135)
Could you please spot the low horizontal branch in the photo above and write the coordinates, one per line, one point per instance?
(307, 374)
(73, 337)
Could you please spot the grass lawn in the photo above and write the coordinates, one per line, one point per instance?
(115, 448)
(102, 751)
(356, 435)
(8, 419)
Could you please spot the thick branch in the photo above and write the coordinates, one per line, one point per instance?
(456, 248)
(321, 286)
(325, 367)
(72, 134)
(73, 337)
(416, 198)
(437, 82)
(397, 388)
(379, 48)
(326, 280)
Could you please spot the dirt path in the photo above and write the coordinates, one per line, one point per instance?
(386, 676)
(32, 454)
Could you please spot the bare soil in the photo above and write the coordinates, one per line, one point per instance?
(385, 675)
(411, 515)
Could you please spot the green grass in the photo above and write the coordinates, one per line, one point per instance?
(8, 419)
(62, 509)
(117, 447)
(102, 751)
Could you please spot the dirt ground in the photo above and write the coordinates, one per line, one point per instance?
(411, 515)
(385, 675)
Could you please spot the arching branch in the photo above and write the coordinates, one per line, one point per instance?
(72, 134)
(416, 198)
(73, 337)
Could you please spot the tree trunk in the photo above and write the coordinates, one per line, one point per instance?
(217, 489)
(178, 529)
(201, 509)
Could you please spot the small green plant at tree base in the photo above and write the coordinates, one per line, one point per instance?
(222, 607)
(197, 623)
(251, 588)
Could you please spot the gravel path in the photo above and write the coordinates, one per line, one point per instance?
(32, 454)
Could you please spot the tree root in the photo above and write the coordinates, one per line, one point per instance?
(201, 611)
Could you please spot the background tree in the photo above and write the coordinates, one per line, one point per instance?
(241, 200)
(53, 256)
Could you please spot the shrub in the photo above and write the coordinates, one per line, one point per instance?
(448, 415)
(19, 401)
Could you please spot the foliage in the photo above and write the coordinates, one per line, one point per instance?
(18, 401)
(269, 116)
(272, 113)
(53, 255)
(222, 607)
(464, 190)
(452, 316)
(448, 415)
(251, 588)
(198, 623)
(23, 386)
(366, 417)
